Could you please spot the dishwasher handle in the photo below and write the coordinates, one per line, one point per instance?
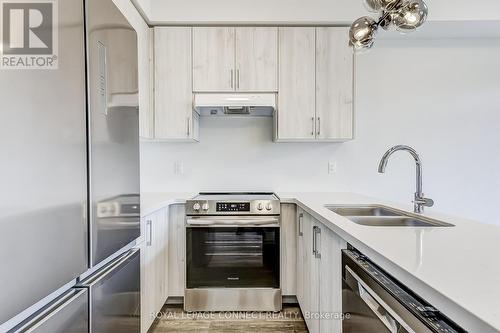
(380, 310)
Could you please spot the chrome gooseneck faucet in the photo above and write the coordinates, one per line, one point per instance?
(420, 201)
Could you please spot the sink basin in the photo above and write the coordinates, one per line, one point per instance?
(397, 221)
(381, 216)
(363, 211)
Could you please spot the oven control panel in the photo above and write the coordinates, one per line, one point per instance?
(233, 207)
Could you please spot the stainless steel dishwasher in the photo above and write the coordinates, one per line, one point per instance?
(373, 301)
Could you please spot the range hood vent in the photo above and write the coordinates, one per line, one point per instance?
(260, 105)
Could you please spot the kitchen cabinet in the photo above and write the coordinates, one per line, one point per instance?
(176, 250)
(306, 270)
(146, 82)
(175, 118)
(154, 277)
(334, 84)
(288, 249)
(296, 97)
(256, 59)
(315, 99)
(319, 276)
(213, 59)
(227, 59)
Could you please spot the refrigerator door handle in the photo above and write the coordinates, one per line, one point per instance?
(124, 258)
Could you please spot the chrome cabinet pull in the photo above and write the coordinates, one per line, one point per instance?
(312, 132)
(188, 126)
(238, 79)
(314, 241)
(232, 79)
(319, 126)
(301, 233)
(318, 242)
(149, 240)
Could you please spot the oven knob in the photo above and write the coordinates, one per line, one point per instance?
(196, 206)
(205, 206)
(269, 206)
(260, 206)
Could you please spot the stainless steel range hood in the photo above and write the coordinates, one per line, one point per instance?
(229, 104)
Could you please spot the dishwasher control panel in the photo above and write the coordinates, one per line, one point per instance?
(427, 314)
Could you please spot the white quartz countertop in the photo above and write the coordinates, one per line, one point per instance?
(455, 269)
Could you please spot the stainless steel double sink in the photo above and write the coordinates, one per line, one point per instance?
(382, 216)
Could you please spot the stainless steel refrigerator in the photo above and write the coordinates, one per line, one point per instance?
(69, 175)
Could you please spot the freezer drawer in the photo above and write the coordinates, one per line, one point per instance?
(115, 296)
(68, 314)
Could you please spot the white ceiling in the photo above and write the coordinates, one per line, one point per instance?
(299, 11)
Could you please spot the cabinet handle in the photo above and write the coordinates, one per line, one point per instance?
(232, 79)
(316, 241)
(312, 131)
(188, 126)
(301, 233)
(149, 237)
(238, 79)
(319, 126)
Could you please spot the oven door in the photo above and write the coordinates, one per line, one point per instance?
(233, 252)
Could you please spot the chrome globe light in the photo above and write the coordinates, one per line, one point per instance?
(362, 33)
(404, 15)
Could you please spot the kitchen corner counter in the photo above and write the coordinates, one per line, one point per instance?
(451, 268)
(151, 201)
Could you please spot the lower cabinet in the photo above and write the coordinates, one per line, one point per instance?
(154, 256)
(319, 274)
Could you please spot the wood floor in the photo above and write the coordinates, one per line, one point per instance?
(174, 319)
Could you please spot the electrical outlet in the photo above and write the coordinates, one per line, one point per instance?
(332, 168)
(178, 168)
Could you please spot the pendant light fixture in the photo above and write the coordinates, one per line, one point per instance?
(404, 15)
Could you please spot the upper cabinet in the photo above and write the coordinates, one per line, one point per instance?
(243, 59)
(213, 59)
(174, 115)
(310, 69)
(256, 59)
(315, 85)
(334, 84)
(296, 97)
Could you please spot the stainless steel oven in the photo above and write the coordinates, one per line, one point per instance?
(233, 253)
(373, 301)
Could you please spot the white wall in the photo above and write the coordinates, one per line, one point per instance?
(441, 96)
(295, 11)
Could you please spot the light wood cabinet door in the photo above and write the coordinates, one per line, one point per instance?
(288, 243)
(176, 250)
(307, 267)
(256, 59)
(300, 257)
(334, 84)
(173, 84)
(153, 267)
(296, 101)
(213, 59)
(330, 279)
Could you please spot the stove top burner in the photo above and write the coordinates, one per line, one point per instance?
(237, 203)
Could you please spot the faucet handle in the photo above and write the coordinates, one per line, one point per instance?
(421, 202)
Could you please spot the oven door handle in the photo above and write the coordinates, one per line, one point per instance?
(233, 222)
